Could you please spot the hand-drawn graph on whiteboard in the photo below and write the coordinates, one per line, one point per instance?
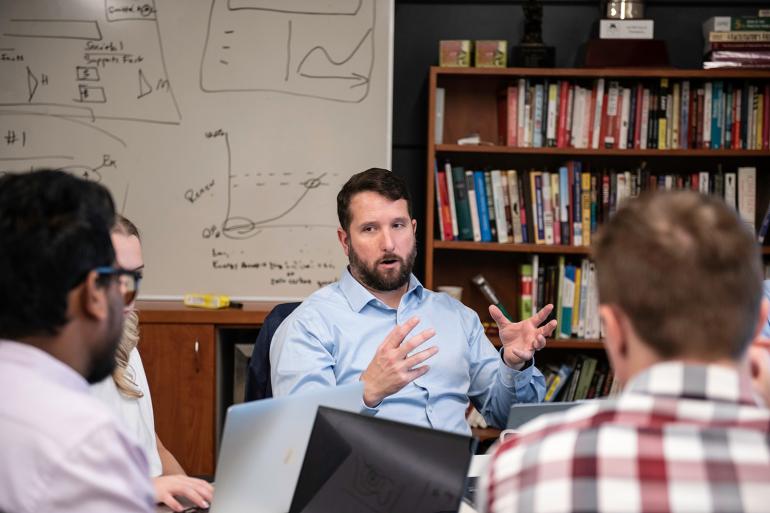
(249, 193)
(301, 47)
(84, 61)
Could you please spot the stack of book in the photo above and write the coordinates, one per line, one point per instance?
(737, 41)
(579, 378)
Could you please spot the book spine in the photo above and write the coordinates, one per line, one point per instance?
(716, 102)
(443, 203)
(537, 138)
(452, 203)
(707, 99)
(612, 113)
(537, 191)
(625, 110)
(550, 136)
(597, 113)
(747, 192)
(675, 110)
(490, 193)
(481, 201)
(564, 206)
(567, 302)
(525, 300)
(499, 205)
(662, 120)
(473, 204)
(644, 126)
(464, 223)
(561, 130)
(684, 121)
(585, 186)
(513, 192)
(521, 90)
(555, 203)
(547, 208)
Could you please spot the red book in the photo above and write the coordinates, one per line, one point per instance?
(692, 130)
(561, 121)
(591, 114)
(736, 128)
(603, 122)
(699, 120)
(695, 182)
(446, 215)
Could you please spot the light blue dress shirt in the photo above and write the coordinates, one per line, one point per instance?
(766, 293)
(333, 335)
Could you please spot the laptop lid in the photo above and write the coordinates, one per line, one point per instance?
(358, 463)
(523, 413)
(263, 446)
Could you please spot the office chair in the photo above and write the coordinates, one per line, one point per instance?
(258, 376)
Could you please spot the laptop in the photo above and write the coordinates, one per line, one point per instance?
(263, 447)
(522, 413)
(358, 463)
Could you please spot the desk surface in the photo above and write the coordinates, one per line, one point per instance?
(174, 312)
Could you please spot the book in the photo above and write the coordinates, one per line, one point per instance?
(567, 301)
(525, 285)
(514, 195)
(560, 378)
(498, 201)
(462, 204)
(473, 204)
(442, 202)
(490, 205)
(736, 23)
(482, 205)
(507, 115)
(451, 196)
(747, 194)
(438, 130)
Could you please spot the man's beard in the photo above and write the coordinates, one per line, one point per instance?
(383, 281)
(103, 362)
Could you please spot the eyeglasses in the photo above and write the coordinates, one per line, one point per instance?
(128, 280)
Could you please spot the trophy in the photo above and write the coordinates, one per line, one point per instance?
(531, 52)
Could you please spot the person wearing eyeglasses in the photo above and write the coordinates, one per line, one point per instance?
(127, 393)
(61, 319)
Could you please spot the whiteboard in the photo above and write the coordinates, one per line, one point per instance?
(223, 128)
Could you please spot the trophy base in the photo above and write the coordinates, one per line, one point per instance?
(629, 53)
(534, 56)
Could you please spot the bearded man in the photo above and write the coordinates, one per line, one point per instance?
(421, 355)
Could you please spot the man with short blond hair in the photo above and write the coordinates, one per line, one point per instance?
(679, 278)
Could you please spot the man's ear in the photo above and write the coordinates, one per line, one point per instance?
(342, 235)
(93, 297)
(615, 339)
(414, 226)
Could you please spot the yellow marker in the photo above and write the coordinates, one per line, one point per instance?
(211, 301)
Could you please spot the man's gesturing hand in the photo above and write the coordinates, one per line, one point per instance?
(391, 369)
(521, 339)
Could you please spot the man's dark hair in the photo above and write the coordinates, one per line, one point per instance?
(54, 229)
(685, 270)
(381, 181)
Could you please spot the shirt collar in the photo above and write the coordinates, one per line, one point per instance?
(694, 381)
(50, 368)
(358, 296)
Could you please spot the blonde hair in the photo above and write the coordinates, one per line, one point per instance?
(122, 375)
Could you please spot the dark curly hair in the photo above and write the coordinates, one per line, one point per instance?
(54, 229)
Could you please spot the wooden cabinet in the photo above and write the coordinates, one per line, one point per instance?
(471, 105)
(180, 349)
(179, 360)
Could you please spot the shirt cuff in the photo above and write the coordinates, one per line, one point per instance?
(369, 412)
(513, 378)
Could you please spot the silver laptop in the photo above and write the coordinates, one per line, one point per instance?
(263, 447)
(523, 413)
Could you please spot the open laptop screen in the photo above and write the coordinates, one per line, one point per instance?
(360, 463)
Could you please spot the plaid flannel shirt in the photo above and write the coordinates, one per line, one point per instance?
(680, 438)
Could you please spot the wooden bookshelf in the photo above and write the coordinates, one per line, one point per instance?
(471, 106)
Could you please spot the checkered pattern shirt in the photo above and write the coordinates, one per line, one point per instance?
(680, 438)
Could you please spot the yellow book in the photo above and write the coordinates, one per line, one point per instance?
(576, 303)
(537, 226)
(585, 205)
